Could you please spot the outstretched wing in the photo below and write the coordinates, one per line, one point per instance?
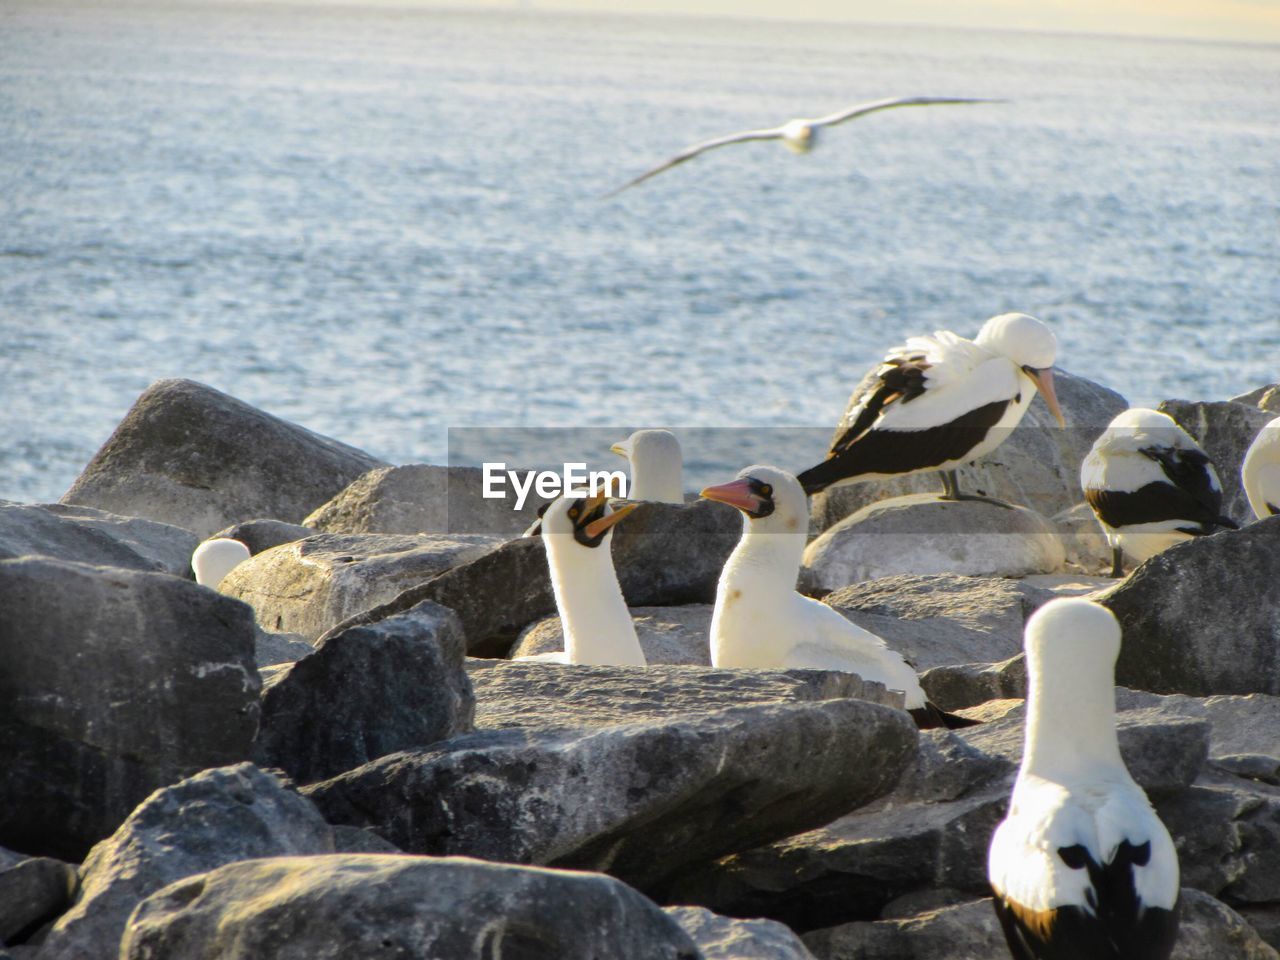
(862, 109)
(689, 153)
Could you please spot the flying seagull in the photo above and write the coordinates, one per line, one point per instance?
(799, 136)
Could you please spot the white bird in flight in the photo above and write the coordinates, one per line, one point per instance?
(799, 136)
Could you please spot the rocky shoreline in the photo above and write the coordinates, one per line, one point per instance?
(334, 756)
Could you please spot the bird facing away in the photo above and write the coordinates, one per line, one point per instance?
(576, 533)
(657, 465)
(1260, 472)
(214, 559)
(798, 136)
(940, 401)
(761, 622)
(1150, 486)
(1082, 868)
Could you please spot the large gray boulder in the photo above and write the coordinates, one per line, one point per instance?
(920, 534)
(214, 818)
(261, 535)
(1203, 617)
(32, 893)
(85, 535)
(113, 683)
(423, 498)
(511, 694)
(308, 586)
(1038, 466)
(1225, 429)
(727, 938)
(666, 634)
(357, 906)
(1264, 398)
(189, 455)
(642, 800)
(374, 690)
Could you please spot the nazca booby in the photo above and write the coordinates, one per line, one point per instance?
(798, 136)
(1260, 472)
(576, 533)
(657, 465)
(940, 401)
(1150, 486)
(760, 621)
(1082, 868)
(215, 558)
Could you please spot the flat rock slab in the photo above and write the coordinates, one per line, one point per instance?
(113, 683)
(1225, 430)
(666, 634)
(1038, 466)
(191, 456)
(214, 818)
(920, 534)
(85, 535)
(1203, 617)
(423, 498)
(346, 906)
(640, 800)
(513, 695)
(727, 938)
(308, 586)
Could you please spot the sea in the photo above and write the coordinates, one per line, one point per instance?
(388, 223)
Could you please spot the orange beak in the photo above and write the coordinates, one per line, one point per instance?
(1044, 383)
(609, 520)
(736, 493)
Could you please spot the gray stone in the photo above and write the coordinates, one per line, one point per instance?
(970, 684)
(1225, 429)
(33, 892)
(189, 455)
(1264, 398)
(920, 534)
(214, 818)
(370, 691)
(642, 800)
(1210, 930)
(1244, 725)
(1038, 466)
(726, 938)
(511, 694)
(422, 498)
(308, 586)
(83, 535)
(1083, 540)
(666, 634)
(352, 906)
(114, 683)
(1203, 617)
(261, 535)
(275, 648)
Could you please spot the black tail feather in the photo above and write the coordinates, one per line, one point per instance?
(932, 717)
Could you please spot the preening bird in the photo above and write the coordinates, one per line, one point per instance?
(215, 558)
(577, 533)
(761, 621)
(657, 465)
(1082, 868)
(799, 136)
(940, 401)
(1150, 486)
(1260, 472)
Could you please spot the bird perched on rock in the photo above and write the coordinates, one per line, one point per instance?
(760, 621)
(1260, 473)
(657, 465)
(576, 533)
(798, 136)
(940, 401)
(1150, 486)
(215, 558)
(1082, 868)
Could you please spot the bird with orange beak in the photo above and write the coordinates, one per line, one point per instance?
(940, 401)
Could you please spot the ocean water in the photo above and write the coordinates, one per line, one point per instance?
(383, 223)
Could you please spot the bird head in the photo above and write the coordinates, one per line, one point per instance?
(771, 499)
(584, 520)
(800, 136)
(1032, 346)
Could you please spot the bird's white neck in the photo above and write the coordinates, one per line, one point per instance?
(1071, 724)
(597, 625)
(766, 561)
(657, 478)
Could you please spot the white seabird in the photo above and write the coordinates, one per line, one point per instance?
(1260, 473)
(940, 401)
(657, 465)
(215, 558)
(1081, 867)
(761, 622)
(798, 136)
(1150, 486)
(577, 533)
